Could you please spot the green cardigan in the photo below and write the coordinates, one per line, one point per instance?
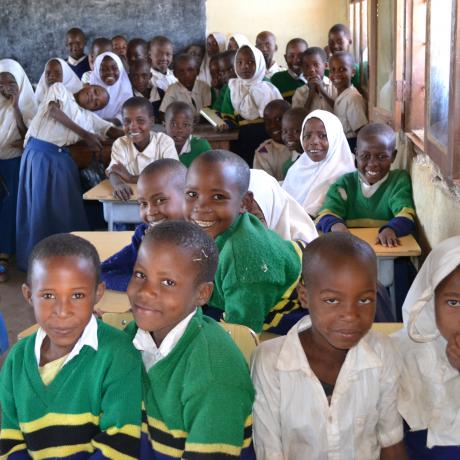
(197, 146)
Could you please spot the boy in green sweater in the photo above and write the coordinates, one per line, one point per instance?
(179, 125)
(198, 392)
(258, 271)
(372, 196)
(73, 389)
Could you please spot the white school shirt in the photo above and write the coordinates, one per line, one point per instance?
(86, 76)
(292, 417)
(124, 152)
(319, 102)
(75, 62)
(153, 95)
(47, 129)
(199, 97)
(274, 68)
(150, 353)
(350, 108)
(161, 80)
(271, 157)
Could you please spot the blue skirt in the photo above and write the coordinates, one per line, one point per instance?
(9, 172)
(49, 197)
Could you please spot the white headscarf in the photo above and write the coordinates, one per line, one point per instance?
(27, 105)
(240, 39)
(69, 80)
(119, 92)
(250, 96)
(205, 74)
(308, 181)
(282, 213)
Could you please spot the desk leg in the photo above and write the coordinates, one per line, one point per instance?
(108, 214)
(386, 275)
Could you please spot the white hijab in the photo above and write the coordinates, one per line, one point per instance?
(27, 104)
(250, 96)
(240, 39)
(119, 92)
(205, 74)
(69, 80)
(430, 386)
(282, 213)
(308, 181)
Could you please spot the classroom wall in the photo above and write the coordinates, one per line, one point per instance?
(308, 19)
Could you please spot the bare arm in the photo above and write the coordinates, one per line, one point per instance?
(394, 452)
(114, 132)
(121, 190)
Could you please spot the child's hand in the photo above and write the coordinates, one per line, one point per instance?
(122, 192)
(387, 237)
(121, 171)
(340, 227)
(93, 141)
(315, 83)
(221, 128)
(453, 351)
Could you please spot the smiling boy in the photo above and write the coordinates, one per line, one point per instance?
(75, 44)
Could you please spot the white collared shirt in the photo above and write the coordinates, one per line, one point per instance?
(153, 96)
(292, 417)
(75, 62)
(151, 354)
(199, 97)
(186, 147)
(369, 189)
(350, 108)
(274, 68)
(319, 102)
(161, 80)
(86, 76)
(271, 157)
(88, 337)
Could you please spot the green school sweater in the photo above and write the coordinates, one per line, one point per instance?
(393, 198)
(199, 397)
(286, 84)
(216, 100)
(92, 407)
(197, 146)
(256, 274)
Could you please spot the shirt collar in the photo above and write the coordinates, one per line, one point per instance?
(294, 75)
(88, 337)
(367, 189)
(75, 62)
(186, 146)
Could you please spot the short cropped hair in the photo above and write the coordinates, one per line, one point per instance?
(186, 235)
(76, 31)
(229, 54)
(120, 36)
(101, 42)
(315, 51)
(65, 245)
(138, 102)
(296, 112)
(277, 103)
(345, 56)
(378, 129)
(179, 107)
(184, 57)
(160, 40)
(167, 166)
(138, 42)
(296, 41)
(337, 28)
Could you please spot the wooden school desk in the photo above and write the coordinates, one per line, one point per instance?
(115, 210)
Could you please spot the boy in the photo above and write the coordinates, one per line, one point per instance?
(372, 196)
(257, 271)
(75, 43)
(226, 67)
(266, 42)
(160, 194)
(188, 88)
(137, 50)
(217, 83)
(329, 388)
(179, 126)
(289, 80)
(120, 46)
(161, 56)
(100, 45)
(272, 154)
(318, 93)
(198, 394)
(72, 389)
(349, 105)
(137, 148)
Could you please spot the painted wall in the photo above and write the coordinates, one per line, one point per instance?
(308, 19)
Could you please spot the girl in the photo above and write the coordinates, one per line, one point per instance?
(110, 73)
(49, 198)
(278, 210)
(245, 101)
(326, 157)
(215, 44)
(17, 108)
(430, 346)
(57, 70)
(236, 41)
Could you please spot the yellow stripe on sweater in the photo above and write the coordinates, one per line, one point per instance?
(159, 425)
(62, 451)
(16, 448)
(110, 452)
(55, 419)
(218, 448)
(9, 433)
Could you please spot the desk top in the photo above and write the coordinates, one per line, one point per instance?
(106, 243)
(408, 248)
(206, 131)
(104, 192)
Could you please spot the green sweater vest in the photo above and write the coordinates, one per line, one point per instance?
(286, 84)
(199, 397)
(256, 274)
(92, 408)
(197, 146)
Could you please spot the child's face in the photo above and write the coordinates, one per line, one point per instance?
(447, 305)
(212, 46)
(163, 289)
(63, 292)
(232, 45)
(8, 85)
(92, 97)
(109, 71)
(75, 44)
(340, 72)
(290, 132)
(341, 298)
(338, 41)
(197, 51)
(313, 66)
(136, 53)
(137, 124)
(161, 57)
(140, 77)
(314, 139)
(227, 70)
(160, 198)
(53, 72)
(293, 57)
(120, 46)
(272, 118)
(179, 126)
(267, 45)
(212, 198)
(245, 63)
(214, 69)
(374, 158)
(186, 72)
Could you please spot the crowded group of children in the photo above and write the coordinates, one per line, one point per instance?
(218, 241)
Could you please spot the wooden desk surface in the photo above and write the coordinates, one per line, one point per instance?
(106, 243)
(104, 192)
(408, 248)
